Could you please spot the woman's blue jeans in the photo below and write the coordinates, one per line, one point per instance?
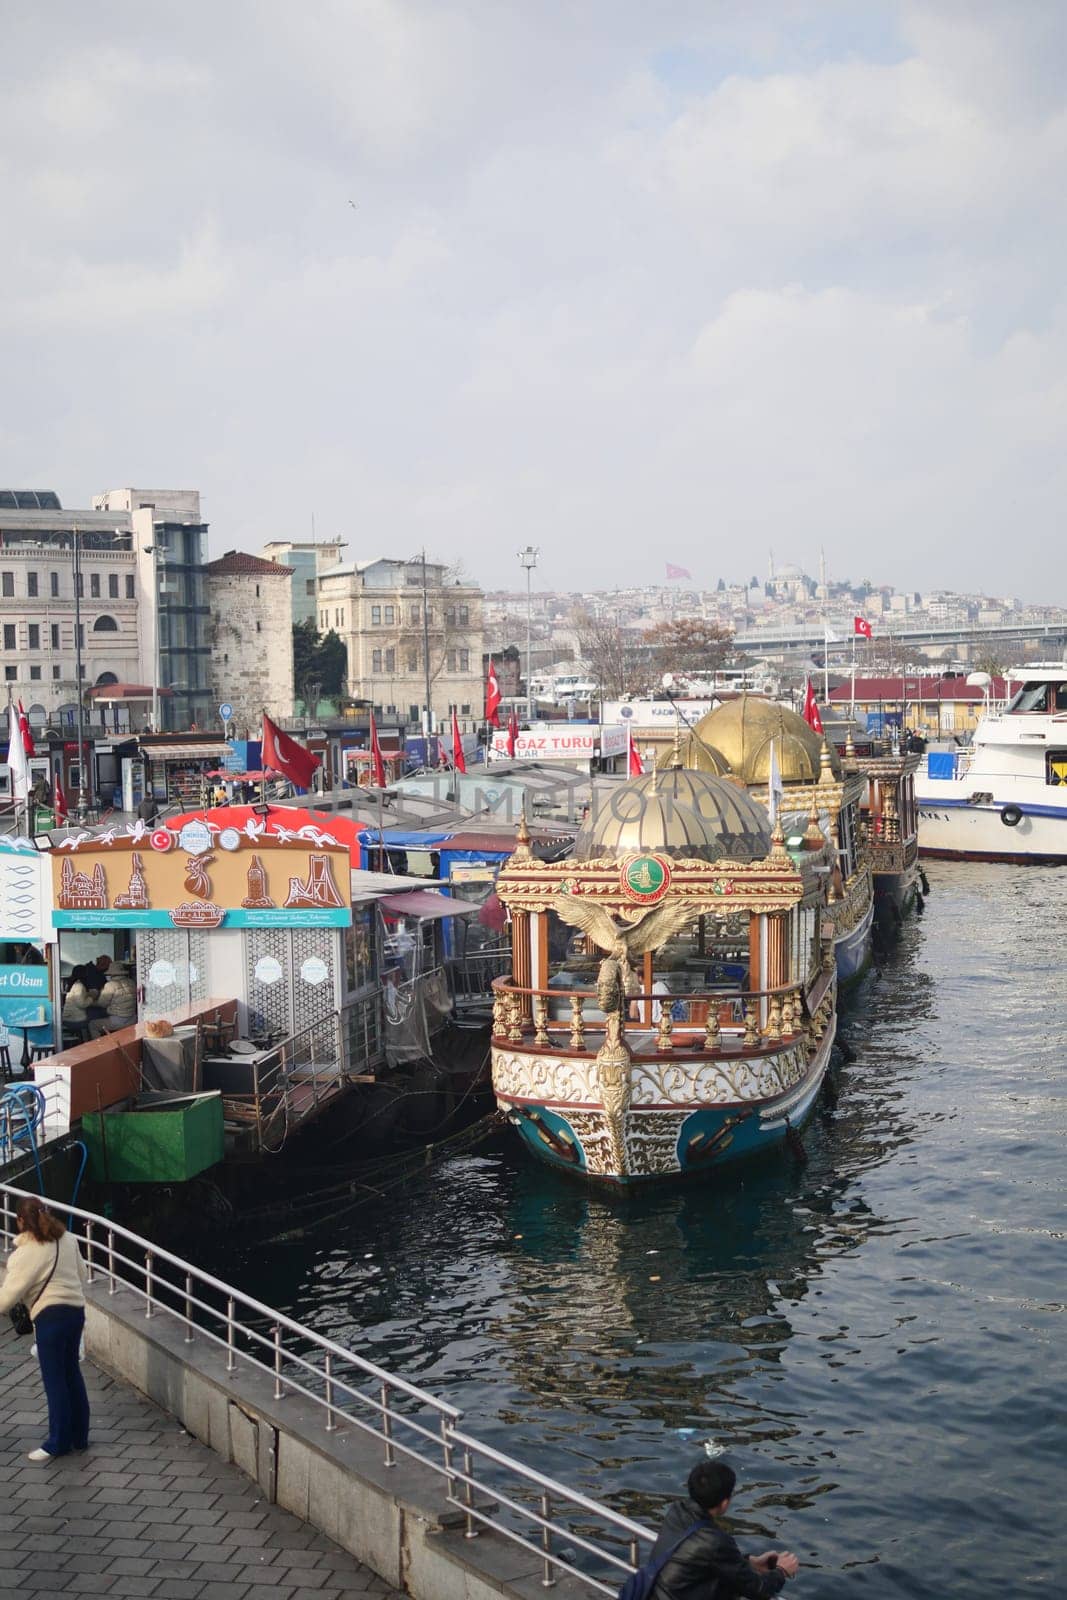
(58, 1332)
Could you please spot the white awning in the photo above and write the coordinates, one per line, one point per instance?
(426, 904)
(186, 752)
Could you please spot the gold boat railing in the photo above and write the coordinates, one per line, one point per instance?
(719, 1022)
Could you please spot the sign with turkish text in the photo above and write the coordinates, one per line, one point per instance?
(563, 741)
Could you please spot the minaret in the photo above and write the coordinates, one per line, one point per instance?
(822, 568)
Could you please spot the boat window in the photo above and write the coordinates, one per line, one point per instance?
(1031, 697)
(1056, 766)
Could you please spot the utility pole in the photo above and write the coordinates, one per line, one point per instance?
(528, 559)
(153, 551)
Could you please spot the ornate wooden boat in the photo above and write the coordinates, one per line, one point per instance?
(693, 1024)
(889, 823)
(735, 740)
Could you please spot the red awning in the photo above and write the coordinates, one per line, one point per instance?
(425, 904)
(126, 691)
(287, 818)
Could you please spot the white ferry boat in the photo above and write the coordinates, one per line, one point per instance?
(1004, 799)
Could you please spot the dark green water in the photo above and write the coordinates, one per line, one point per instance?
(875, 1338)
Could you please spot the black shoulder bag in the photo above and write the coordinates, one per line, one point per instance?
(21, 1320)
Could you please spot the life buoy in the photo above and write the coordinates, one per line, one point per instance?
(1011, 816)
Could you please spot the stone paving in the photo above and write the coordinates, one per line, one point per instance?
(147, 1511)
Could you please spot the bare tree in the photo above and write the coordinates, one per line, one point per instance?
(690, 645)
(618, 661)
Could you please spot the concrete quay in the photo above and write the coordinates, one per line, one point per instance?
(148, 1511)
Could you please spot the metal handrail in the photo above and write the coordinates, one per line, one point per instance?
(519, 1503)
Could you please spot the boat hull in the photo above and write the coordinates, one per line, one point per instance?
(958, 829)
(852, 950)
(683, 1117)
(895, 893)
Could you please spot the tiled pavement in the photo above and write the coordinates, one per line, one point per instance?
(147, 1511)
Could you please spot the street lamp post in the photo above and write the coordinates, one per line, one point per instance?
(82, 804)
(528, 559)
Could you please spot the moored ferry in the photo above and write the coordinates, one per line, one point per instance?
(1004, 799)
(672, 999)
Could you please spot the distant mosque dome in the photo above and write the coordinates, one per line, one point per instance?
(677, 812)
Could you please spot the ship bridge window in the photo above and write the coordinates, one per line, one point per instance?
(1056, 766)
(1040, 697)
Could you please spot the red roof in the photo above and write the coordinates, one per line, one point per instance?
(238, 562)
(914, 687)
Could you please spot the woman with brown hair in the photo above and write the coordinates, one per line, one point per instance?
(45, 1270)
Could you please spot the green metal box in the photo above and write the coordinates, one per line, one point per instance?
(165, 1138)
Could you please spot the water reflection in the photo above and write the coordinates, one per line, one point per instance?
(867, 1335)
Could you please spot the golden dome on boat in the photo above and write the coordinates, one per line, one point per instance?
(740, 733)
(676, 812)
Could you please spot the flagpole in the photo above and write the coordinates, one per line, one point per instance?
(852, 697)
(825, 666)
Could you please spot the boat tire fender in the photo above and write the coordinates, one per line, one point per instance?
(924, 880)
(1011, 816)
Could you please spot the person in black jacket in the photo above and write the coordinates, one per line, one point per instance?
(708, 1565)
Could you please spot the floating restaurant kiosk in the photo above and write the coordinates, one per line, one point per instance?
(234, 911)
(672, 999)
(889, 823)
(735, 740)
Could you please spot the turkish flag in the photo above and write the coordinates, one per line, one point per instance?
(861, 626)
(459, 761)
(634, 764)
(811, 710)
(513, 734)
(24, 730)
(377, 764)
(492, 697)
(283, 754)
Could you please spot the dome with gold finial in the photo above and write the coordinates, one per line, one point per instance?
(678, 813)
(740, 733)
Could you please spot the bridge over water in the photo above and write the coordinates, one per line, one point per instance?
(1052, 636)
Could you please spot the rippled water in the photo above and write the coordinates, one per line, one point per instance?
(876, 1337)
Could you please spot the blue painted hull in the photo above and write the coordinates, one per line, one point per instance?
(662, 1141)
(852, 952)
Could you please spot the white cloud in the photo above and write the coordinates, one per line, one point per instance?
(618, 280)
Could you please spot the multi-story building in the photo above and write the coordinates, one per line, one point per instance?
(170, 549)
(307, 559)
(386, 612)
(44, 552)
(250, 636)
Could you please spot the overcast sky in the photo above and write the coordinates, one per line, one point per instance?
(633, 281)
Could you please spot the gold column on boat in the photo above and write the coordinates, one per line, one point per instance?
(520, 956)
(577, 1023)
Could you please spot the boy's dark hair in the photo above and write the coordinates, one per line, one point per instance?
(710, 1483)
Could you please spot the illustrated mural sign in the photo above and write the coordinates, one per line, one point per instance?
(192, 879)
